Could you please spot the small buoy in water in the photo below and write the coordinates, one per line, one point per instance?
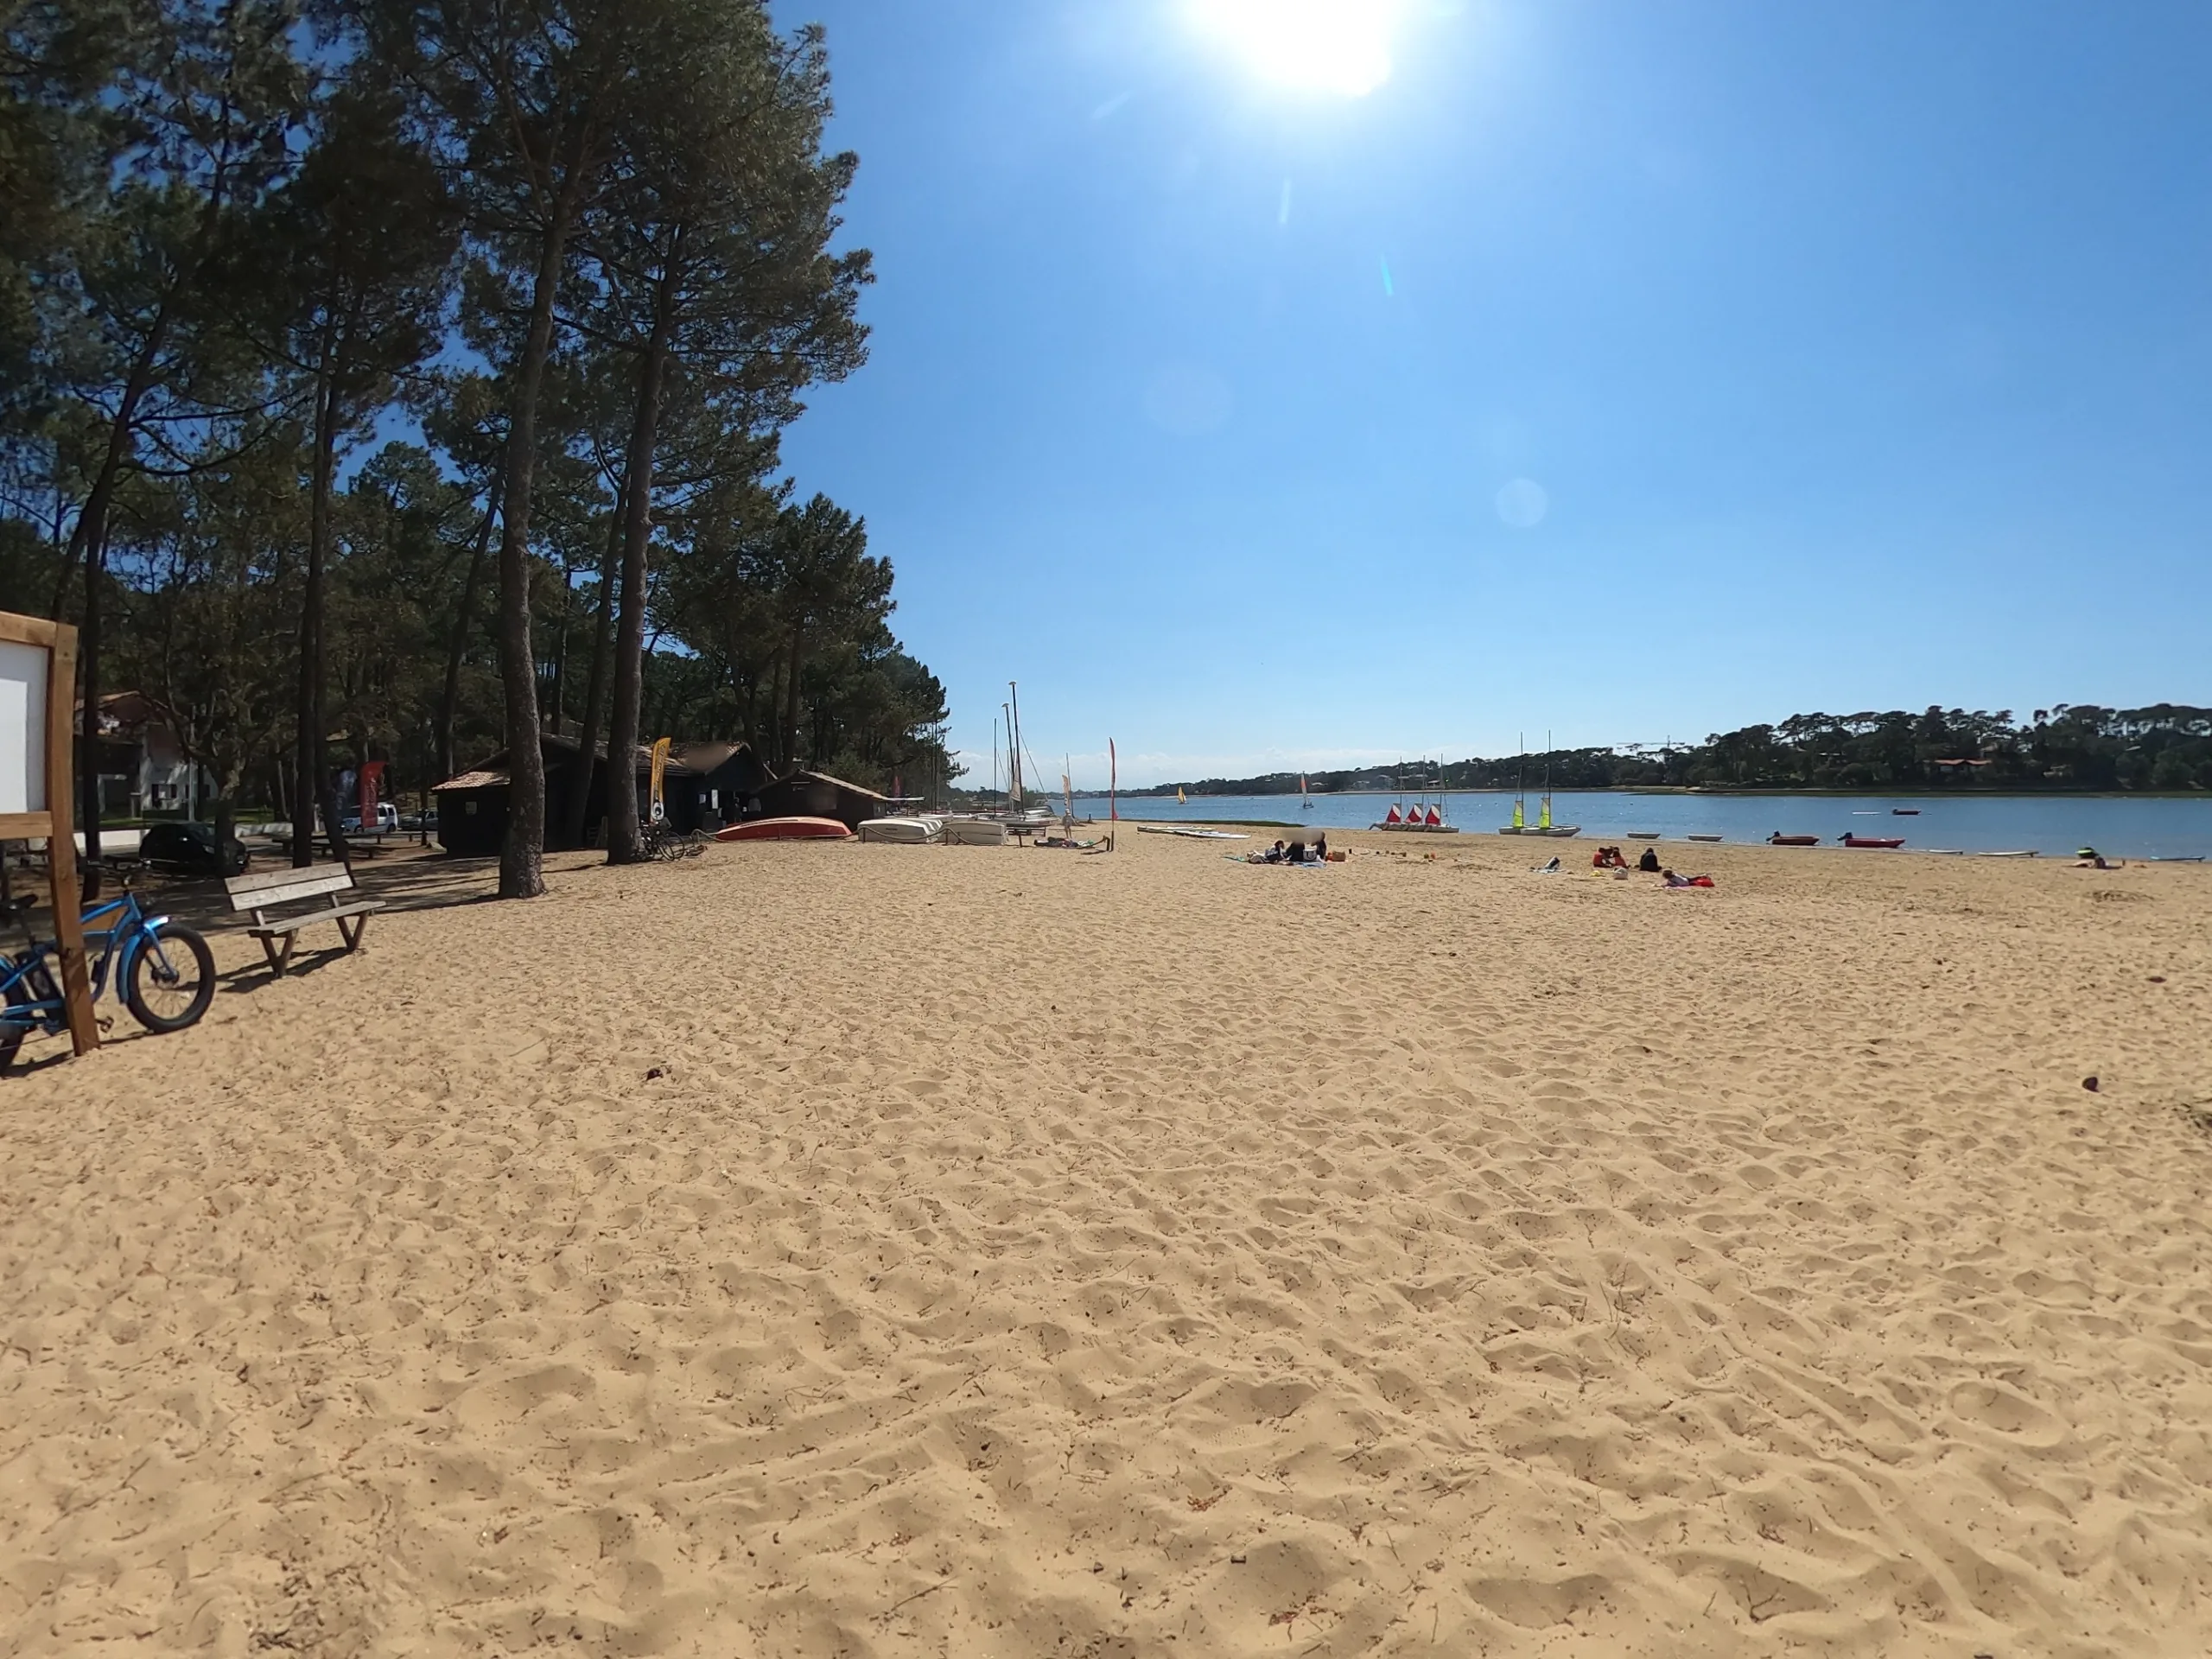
(2090, 1084)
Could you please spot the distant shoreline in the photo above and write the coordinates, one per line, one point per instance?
(1915, 791)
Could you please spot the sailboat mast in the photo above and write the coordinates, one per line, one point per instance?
(1013, 730)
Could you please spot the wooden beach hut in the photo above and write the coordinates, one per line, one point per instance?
(473, 806)
(817, 795)
(724, 783)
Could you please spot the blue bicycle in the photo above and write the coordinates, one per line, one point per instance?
(163, 969)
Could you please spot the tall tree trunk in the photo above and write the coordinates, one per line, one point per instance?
(88, 544)
(624, 845)
(457, 651)
(522, 858)
(790, 701)
(602, 645)
(560, 679)
(308, 735)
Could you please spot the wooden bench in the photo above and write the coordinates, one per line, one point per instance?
(259, 893)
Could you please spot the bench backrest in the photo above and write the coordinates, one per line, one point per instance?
(282, 887)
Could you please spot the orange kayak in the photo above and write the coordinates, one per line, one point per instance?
(786, 829)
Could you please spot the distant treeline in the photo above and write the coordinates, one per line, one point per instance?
(2067, 746)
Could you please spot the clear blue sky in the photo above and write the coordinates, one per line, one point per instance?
(1629, 371)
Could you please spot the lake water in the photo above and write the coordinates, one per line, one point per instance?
(2053, 825)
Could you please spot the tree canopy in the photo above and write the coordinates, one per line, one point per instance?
(2066, 747)
(386, 378)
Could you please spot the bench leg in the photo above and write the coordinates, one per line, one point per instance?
(350, 928)
(279, 958)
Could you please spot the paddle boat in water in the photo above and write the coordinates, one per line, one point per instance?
(786, 829)
(1778, 839)
(1890, 843)
(1904, 811)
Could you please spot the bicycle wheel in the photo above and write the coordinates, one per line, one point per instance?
(12, 1035)
(172, 993)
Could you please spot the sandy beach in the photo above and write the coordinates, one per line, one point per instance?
(817, 1250)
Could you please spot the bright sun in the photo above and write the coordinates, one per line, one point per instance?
(1330, 46)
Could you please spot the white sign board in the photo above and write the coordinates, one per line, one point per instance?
(22, 727)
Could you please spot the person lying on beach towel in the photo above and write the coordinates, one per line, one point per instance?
(1551, 868)
(1673, 880)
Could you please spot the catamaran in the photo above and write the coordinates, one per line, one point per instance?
(1424, 815)
(1543, 825)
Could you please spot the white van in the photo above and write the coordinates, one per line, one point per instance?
(387, 822)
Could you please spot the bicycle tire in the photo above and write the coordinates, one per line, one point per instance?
(11, 1036)
(143, 962)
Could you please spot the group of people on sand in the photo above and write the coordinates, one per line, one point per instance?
(1297, 852)
(1609, 858)
(1612, 858)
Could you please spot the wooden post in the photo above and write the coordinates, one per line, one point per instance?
(61, 842)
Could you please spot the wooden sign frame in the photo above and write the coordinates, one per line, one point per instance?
(57, 821)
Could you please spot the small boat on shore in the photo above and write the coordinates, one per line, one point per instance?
(2175, 858)
(903, 832)
(1778, 839)
(1643, 834)
(799, 829)
(1543, 825)
(1425, 817)
(2025, 852)
(1705, 837)
(1890, 844)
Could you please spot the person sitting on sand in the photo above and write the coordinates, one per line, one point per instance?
(1608, 858)
(1650, 862)
(1273, 856)
(1295, 854)
(1321, 847)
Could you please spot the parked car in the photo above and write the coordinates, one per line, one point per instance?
(189, 849)
(387, 822)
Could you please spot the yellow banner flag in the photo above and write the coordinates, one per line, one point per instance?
(660, 767)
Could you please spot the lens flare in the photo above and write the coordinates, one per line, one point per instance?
(1324, 46)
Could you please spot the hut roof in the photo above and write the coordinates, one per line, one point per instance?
(824, 778)
(482, 778)
(706, 757)
(493, 769)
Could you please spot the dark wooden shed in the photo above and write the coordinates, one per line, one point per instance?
(817, 795)
(725, 782)
(473, 807)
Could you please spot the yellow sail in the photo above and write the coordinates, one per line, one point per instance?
(1544, 814)
(1520, 820)
(1179, 801)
